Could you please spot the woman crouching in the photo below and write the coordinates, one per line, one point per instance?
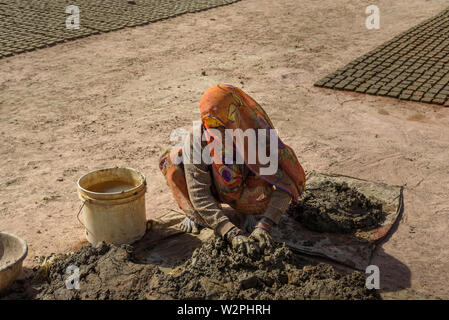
(235, 158)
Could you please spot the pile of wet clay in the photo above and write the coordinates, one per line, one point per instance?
(214, 271)
(336, 207)
(104, 272)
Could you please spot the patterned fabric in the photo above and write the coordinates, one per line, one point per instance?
(227, 107)
(239, 185)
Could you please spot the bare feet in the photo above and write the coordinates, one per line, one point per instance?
(189, 226)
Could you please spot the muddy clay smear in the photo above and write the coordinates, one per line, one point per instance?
(338, 208)
(106, 272)
(279, 274)
(214, 271)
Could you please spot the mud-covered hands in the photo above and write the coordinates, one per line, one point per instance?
(241, 243)
(261, 233)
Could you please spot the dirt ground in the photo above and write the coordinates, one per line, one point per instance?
(113, 99)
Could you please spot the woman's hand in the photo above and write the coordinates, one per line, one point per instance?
(245, 245)
(262, 237)
(241, 243)
(261, 233)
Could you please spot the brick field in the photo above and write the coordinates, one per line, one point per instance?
(26, 25)
(412, 66)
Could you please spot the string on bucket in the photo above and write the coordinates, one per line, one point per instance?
(79, 220)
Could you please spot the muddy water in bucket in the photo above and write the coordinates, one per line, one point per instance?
(111, 186)
(113, 205)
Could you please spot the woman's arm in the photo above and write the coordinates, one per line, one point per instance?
(279, 202)
(199, 182)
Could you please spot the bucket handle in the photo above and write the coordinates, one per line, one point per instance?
(79, 220)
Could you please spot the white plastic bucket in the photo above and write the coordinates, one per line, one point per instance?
(113, 205)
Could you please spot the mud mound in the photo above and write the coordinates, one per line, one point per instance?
(333, 207)
(215, 271)
(106, 272)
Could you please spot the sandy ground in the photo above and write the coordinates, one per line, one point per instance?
(113, 99)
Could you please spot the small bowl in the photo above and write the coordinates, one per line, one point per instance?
(13, 251)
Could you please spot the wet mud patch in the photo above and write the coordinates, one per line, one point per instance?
(214, 271)
(105, 272)
(338, 208)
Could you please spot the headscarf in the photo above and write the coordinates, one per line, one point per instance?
(228, 107)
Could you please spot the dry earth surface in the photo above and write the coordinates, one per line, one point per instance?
(113, 100)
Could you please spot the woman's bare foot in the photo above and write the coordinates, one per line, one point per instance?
(189, 226)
